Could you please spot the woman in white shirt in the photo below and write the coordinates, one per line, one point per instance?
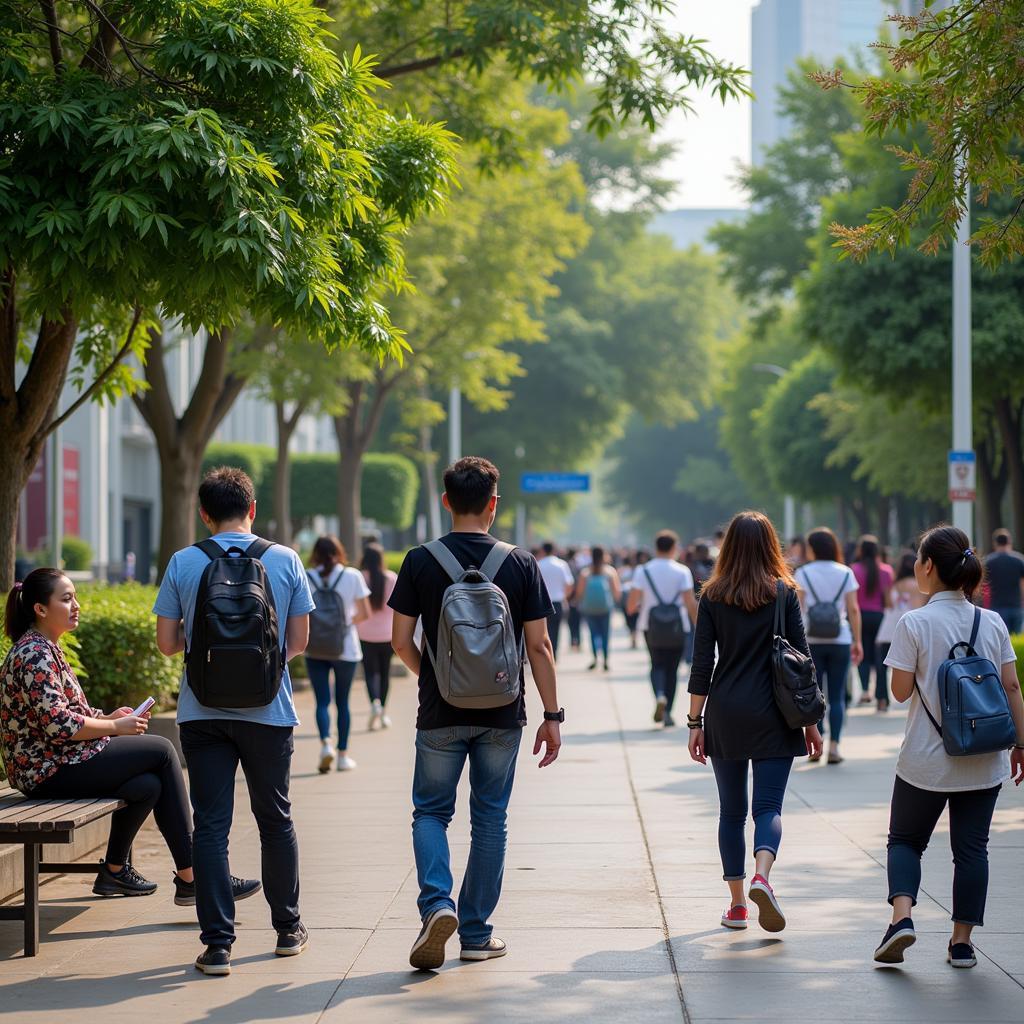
(328, 571)
(824, 580)
(927, 778)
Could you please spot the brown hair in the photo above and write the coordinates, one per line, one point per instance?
(38, 588)
(825, 545)
(327, 553)
(750, 564)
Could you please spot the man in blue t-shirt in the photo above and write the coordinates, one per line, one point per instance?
(216, 740)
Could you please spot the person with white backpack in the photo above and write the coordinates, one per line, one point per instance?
(484, 608)
(341, 594)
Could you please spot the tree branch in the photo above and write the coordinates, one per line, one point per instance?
(195, 421)
(425, 64)
(53, 31)
(41, 385)
(91, 390)
(154, 404)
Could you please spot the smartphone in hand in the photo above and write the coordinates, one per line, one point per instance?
(144, 706)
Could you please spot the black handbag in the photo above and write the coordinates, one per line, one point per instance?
(794, 683)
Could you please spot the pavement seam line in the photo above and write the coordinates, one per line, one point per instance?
(666, 934)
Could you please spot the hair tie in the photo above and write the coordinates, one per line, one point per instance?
(968, 553)
(18, 585)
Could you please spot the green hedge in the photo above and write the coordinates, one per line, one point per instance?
(390, 482)
(1018, 648)
(117, 642)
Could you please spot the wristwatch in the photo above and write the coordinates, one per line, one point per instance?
(555, 716)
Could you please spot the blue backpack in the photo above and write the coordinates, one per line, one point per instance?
(976, 715)
(597, 595)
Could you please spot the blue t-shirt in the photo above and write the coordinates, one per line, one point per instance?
(177, 600)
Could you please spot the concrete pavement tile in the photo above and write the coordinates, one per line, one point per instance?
(1004, 948)
(538, 951)
(474, 992)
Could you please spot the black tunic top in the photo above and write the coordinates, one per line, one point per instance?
(740, 718)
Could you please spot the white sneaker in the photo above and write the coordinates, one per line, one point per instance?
(327, 756)
(376, 714)
(385, 721)
(345, 763)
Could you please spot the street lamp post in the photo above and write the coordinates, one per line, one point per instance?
(455, 423)
(963, 440)
(788, 501)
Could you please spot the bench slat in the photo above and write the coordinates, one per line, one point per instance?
(57, 815)
(34, 810)
(76, 818)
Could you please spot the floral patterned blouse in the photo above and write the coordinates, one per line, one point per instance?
(41, 708)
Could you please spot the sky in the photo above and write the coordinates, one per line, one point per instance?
(713, 139)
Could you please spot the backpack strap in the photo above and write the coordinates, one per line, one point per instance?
(210, 548)
(258, 548)
(968, 645)
(810, 587)
(496, 559)
(931, 717)
(842, 587)
(443, 556)
(654, 589)
(780, 609)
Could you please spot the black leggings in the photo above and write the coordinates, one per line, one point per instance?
(144, 772)
(377, 669)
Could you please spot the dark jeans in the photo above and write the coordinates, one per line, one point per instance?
(555, 624)
(869, 625)
(770, 777)
(832, 665)
(213, 751)
(882, 673)
(1012, 617)
(664, 670)
(600, 627)
(320, 680)
(575, 620)
(377, 669)
(911, 823)
(144, 772)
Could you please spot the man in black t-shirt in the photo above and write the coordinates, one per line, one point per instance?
(447, 735)
(1005, 571)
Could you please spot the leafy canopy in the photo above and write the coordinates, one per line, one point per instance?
(205, 156)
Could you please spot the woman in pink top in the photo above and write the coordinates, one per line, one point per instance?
(375, 634)
(875, 580)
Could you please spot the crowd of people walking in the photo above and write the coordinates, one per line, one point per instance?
(769, 634)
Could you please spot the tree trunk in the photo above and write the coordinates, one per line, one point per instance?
(350, 506)
(991, 488)
(181, 440)
(1008, 417)
(283, 472)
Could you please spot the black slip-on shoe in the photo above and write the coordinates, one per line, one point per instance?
(292, 943)
(961, 954)
(241, 889)
(127, 882)
(898, 937)
(216, 960)
(427, 953)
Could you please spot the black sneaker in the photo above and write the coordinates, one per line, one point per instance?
(900, 936)
(127, 882)
(215, 960)
(669, 721)
(961, 954)
(292, 943)
(241, 889)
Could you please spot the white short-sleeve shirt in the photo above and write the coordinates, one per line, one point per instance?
(351, 585)
(920, 645)
(671, 580)
(557, 576)
(830, 581)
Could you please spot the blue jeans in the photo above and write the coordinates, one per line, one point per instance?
(832, 665)
(440, 757)
(770, 777)
(599, 626)
(320, 679)
(1012, 617)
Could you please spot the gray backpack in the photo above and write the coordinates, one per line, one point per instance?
(328, 623)
(478, 661)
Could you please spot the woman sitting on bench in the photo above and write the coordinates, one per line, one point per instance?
(54, 745)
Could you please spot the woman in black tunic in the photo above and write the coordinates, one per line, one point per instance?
(744, 727)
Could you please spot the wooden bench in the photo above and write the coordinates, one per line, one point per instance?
(33, 823)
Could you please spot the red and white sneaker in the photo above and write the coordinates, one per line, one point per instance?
(735, 917)
(769, 914)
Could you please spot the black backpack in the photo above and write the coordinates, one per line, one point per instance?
(823, 619)
(328, 622)
(664, 622)
(794, 683)
(235, 658)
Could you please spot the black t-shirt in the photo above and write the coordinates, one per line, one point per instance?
(419, 591)
(1005, 570)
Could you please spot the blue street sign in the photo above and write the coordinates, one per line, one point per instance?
(554, 483)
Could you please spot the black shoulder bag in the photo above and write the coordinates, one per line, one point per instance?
(794, 684)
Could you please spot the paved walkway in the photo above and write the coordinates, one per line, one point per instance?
(612, 897)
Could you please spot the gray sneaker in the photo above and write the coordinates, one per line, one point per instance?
(427, 953)
(490, 950)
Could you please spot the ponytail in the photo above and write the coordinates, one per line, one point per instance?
(37, 588)
(954, 559)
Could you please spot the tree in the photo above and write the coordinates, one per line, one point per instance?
(202, 158)
(957, 72)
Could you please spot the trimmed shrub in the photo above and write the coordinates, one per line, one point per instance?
(76, 554)
(394, 559)
(117, 642)
(1018, 648)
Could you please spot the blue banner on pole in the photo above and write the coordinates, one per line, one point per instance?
(554, 483)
